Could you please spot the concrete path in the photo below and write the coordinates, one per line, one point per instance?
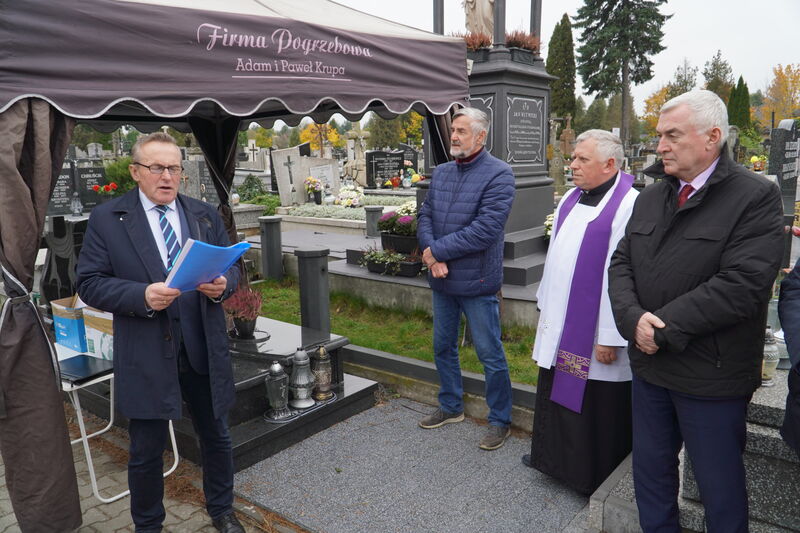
(378, 472)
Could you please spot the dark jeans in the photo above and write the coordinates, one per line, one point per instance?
(145, 466)
(714, 432)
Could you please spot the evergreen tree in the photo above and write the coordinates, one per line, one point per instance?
(718, 76)
(739, 105)
(383, 133)
(618, 38)
(561, 63)
(595, 116)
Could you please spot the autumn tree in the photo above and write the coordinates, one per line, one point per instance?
(783, 93)
(314, 133)
(411, 124)
(263, 137)
(718, 76)
(652, 109)
(618, 39)
(684, 79)
(561, 63)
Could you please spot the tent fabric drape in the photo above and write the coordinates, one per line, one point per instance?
(34, 442)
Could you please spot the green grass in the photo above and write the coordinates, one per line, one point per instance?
(409, 334)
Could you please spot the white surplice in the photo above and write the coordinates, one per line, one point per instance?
(553, 293)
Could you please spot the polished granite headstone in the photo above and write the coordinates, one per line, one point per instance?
(255, 439)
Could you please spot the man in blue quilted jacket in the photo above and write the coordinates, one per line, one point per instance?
(460, 231)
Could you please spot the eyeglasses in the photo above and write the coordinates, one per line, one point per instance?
(159, 169)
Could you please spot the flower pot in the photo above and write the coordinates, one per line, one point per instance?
(376, 267)
(318, 197)
(409, 269)
(244, 328)
(404, 244)
(521, 55)
(479, 55)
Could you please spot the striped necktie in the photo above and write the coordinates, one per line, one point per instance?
(170, 239)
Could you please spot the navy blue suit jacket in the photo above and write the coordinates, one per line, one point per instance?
(789, 312)
(118, 260)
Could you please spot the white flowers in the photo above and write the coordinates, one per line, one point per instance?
(548, 225)
(407, 208)
(350, 196)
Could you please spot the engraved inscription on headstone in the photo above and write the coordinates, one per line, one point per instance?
(325, 170)
(87, 178)
(525, 123)
(783, 160)
(62, 193)
(382, 166)
(485, 104)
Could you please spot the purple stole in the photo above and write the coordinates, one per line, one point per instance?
(583, 307)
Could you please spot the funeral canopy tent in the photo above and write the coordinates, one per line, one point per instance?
(201, 65)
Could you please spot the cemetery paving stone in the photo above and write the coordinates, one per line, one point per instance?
(379, 472)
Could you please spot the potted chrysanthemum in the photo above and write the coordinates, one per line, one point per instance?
(399, 229)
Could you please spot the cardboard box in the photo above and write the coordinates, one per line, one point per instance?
(99, 333)
(68, 323)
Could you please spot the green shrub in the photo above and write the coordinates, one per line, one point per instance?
(250, 188)
(118, 173)
(270, 201)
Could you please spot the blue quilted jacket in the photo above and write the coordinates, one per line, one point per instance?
(462, 221)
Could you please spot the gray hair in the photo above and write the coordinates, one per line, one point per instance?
(155, 137)
(608, 145)
(480, 122)
(708, 111)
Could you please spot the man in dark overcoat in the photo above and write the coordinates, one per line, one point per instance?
(689, 286)
(168, 345)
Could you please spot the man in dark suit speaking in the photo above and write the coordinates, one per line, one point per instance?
(167, 344)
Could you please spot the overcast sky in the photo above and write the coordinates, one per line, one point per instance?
(753, 36)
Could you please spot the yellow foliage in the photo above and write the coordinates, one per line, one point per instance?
(783, 94)
(313, 132)
(652, 108)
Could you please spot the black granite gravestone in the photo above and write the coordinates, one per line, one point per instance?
(87, 178)
(382, 166)
(62, 192)
(410, 154)
(783, 163)
(783, 160)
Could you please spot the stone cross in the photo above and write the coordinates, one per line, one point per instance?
(289, 164)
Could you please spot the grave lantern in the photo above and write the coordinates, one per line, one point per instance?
(302, 381)
(277, 383)
(323, 370)
(771, 359)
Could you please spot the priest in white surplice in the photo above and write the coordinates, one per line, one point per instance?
(582, 421)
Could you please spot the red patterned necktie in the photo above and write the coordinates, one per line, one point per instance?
(684, 195)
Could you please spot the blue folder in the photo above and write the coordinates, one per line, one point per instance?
(200, 262)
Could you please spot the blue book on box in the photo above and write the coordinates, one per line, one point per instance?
(200, 262)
